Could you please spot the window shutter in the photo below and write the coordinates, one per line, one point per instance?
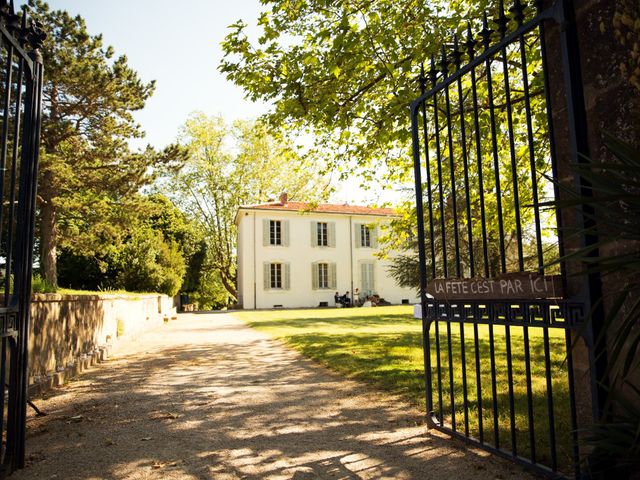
(285, 233)
(314, 276)
(332, 276)
(373, 235)
(314, 234)
(265, 232)
(356, 235)
(331, 232)
(367, 278)
(266, 275)
(372, 278)
(286, 273)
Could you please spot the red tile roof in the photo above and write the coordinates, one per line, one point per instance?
(322, 208)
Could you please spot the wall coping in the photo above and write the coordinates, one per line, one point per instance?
(72, 297)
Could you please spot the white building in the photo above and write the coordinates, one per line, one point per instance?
(291, 255)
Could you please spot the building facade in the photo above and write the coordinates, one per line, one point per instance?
(291, 255)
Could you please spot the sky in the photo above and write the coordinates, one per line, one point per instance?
(177, 43)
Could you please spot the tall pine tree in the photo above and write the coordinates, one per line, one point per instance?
(88, 171)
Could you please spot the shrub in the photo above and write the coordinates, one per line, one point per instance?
(149, 264)
(39, 285)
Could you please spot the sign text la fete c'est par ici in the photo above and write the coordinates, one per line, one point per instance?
(513, 286)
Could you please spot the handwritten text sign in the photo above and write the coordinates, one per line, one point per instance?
(522, 286)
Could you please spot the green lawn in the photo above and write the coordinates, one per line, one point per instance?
(383, 346)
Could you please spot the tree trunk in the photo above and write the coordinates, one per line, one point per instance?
(228, 284)
(48, 247)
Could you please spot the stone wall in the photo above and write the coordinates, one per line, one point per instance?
(610, 52)
(611, 104)
(69, 331)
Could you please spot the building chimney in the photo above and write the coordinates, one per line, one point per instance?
(283, 198)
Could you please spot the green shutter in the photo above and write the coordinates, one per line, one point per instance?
(331, 232)
(367, 278)
(285, 233)
(314, 276)
(265, 232)
(286, 274)
(373, 235)
(266, 274)
(332, 276)
(314, 234)
(356, 235)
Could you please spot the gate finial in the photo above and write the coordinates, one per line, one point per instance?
(457, 53)
(433, 72)
(486, 32)
(5, 8)
(470, 43)
(36, 35)
(444, 63)
(502, 20)
(518, 12)
(21, 32)
(12, 21)
(422, 79)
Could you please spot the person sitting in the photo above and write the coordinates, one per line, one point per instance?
(346, 301)
(337, 299)
(374, 299)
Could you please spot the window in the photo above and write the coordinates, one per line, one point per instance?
(367, 278)
(365, 236)
(275, 232)
(275, 275)
(323, 275)
(323, 234)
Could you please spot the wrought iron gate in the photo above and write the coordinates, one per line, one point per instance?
(20, 94)
(498, 324)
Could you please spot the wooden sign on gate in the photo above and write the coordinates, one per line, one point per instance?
(511, 286)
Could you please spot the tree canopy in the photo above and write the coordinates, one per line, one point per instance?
(88, 174)
(345, 71)
(155, 251)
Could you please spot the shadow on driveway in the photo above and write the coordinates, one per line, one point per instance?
(205, 397)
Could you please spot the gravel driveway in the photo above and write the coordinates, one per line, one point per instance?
(206, 397)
